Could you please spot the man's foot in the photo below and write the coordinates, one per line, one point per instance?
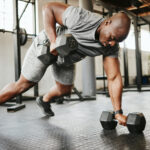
(45, 106)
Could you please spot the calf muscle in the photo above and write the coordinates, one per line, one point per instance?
(13, 89)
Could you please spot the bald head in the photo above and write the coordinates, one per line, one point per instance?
(121, 23)
(114, 29)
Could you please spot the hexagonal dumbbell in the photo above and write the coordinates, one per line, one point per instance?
(65, 44)
(135, 121)
(107, 120)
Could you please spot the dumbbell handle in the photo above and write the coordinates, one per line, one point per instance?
(122, 123)
(117, 112)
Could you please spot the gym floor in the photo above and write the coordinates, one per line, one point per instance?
(75, 126)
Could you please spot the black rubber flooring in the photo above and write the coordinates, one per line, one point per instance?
(75, 126)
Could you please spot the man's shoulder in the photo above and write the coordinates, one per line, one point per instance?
(76, 15)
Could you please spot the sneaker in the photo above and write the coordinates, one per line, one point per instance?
(45, 106)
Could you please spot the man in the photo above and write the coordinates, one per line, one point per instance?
(95, 35)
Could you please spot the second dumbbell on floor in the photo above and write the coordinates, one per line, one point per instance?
(135, 121)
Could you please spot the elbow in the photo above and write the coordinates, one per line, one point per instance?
(47, 7)
(44, 7)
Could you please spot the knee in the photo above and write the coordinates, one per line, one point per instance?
(22, 85)
(111, 78)
(20, 88)
(65, 90)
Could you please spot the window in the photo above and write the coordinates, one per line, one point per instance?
(144, 40)
(27, 20)
(130, 40)
(6, 15)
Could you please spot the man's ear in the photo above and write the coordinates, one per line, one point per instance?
(108, 22)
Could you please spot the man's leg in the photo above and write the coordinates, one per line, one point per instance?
(13, 89)
(32, 71)
(57, 91)
(64, 77)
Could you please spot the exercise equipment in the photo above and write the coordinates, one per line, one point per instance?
(15, 107)
(43, 53)
(20, 38)
(135, 121)
(107, 120)
(23, 36)
(65, 44)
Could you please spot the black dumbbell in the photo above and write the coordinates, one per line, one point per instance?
(65, 44)
(135, 121)
(107, 120)
(43, 53)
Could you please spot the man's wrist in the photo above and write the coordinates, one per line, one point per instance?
(120, 111)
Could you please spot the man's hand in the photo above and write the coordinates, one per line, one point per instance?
(52, 49)
(121, 119)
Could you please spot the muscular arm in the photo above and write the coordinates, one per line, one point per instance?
(52, 14)
(112, 69)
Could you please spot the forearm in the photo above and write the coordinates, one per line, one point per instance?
(112, 68)
(115, 90)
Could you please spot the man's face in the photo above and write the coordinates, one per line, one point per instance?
(109, 36)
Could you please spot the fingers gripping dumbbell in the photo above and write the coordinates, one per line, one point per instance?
(135, 121)
(43, 53)
(64, 45)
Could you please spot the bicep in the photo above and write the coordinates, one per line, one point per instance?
(112, 67)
